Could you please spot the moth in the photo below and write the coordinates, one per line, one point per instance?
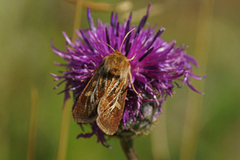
(103, 98)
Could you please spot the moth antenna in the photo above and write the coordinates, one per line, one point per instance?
(107, 45)
(132, 58)
(125, 38)
(130, 75)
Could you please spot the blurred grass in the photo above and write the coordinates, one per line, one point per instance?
(26, 59)
(32, 124)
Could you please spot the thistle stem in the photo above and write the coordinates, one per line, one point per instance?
(128, 149)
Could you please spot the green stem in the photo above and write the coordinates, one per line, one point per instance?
(97, 6)
(128, 149)
(63, 138)
(195, 101)
(77, 19)
(32, 124)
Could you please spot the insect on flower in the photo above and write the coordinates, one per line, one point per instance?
(103, 81)
(103, 98)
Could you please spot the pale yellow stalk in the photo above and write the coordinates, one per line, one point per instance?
(195, 101)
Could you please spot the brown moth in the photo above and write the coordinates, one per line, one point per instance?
(103, 98)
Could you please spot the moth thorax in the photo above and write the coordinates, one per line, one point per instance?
(117, 64)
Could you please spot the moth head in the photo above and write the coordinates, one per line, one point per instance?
(117, 64)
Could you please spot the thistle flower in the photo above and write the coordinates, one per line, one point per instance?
(157, 66)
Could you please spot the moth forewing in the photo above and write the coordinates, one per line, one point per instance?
(111, 106)
(85, 110)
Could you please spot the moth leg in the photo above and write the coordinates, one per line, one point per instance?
(130, 76)
(125, 90)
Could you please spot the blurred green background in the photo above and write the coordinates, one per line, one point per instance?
(26, 28)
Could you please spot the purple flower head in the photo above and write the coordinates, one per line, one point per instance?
(156, 67)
